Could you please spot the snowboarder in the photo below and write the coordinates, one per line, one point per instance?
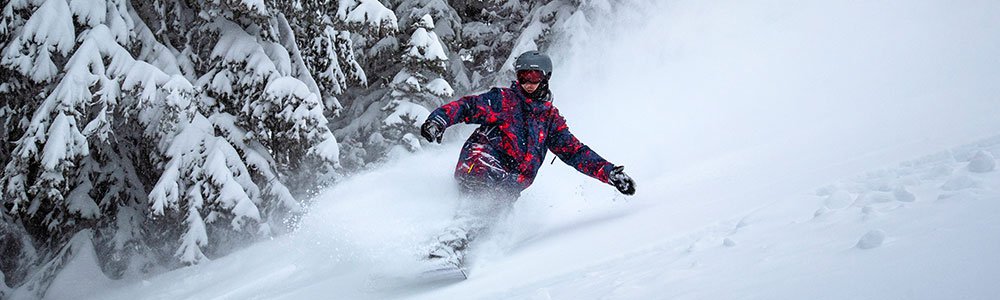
(500, 159)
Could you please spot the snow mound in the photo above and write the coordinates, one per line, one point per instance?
(872, 239)
(982, 162)
(872, 197)
(959, 182)
(839, 199)
(904, 195)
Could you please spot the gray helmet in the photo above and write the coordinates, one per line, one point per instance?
(534, 60)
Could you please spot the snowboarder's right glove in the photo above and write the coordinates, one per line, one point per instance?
(621, 181)
(432, 130)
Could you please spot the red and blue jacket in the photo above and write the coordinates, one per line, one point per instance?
(511, 142)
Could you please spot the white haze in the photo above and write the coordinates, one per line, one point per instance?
(703, 79)
(718, 109)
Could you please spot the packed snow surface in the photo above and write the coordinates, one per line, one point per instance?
(782, 150)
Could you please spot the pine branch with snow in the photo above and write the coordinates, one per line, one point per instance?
(424, 49)
(412, 93)
(369, 15)
(326, 56)
(55, 139)
(417, 87)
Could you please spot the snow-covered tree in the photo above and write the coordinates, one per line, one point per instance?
(69, 170)
(194, 113)
(324, 43)
(259, 125)
(47, 181)
(487, 37)
(494, 32)
(418, 86)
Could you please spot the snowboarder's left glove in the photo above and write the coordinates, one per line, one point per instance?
(432, 130)
(621, 181)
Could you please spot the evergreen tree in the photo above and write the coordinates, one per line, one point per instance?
(494, 32)
(413, 73)
(69, 170)
(199, 121)
(258, 125)
(488, 33)
(413, 90)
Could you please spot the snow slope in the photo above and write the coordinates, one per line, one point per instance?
(782, 150)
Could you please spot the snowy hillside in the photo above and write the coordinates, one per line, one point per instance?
(782, 150)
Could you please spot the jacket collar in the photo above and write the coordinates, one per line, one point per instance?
(532, 105)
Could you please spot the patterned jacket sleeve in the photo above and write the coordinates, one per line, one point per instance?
(574, 153)
(473, 109)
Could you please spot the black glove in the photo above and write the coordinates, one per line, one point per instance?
(432, 131)
(622, 182)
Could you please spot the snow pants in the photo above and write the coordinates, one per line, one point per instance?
(482, 206)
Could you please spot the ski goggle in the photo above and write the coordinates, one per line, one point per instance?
(530, 76)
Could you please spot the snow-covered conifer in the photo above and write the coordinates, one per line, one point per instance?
(320, 46)
(101, 114)
(259, 122)
(55, 140)
(68, 170)
(417, 87)
(493, 33)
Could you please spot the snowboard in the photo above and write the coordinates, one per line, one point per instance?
(446, 271)
(431, 276)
